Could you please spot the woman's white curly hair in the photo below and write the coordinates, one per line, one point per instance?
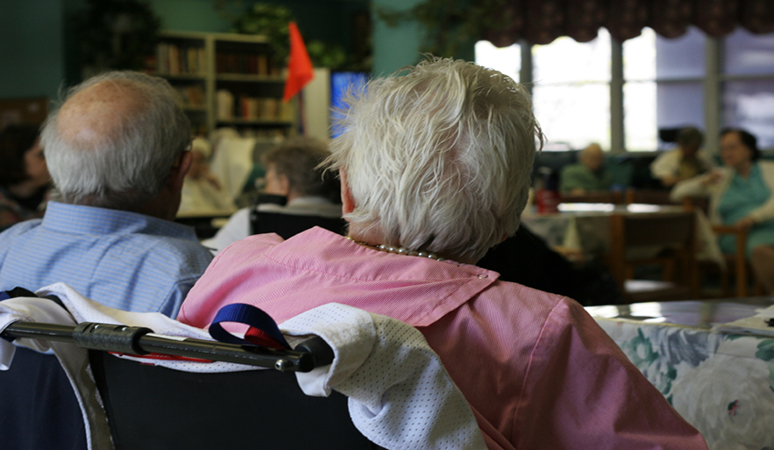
(438, 157)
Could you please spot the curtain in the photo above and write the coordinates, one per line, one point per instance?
(542, 21)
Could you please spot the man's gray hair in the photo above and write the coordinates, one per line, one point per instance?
(298, 159)
(438, 159)
(131, 164)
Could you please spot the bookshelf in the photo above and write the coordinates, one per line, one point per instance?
(225, 80)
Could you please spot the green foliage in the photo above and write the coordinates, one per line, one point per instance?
(117, 34)
(449, 25)
(327, 55)
(269, 20)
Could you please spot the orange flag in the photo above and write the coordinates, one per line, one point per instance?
(300, 69)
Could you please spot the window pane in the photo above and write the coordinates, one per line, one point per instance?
(682, 57)
(565, 60)
(506, 60)
(576, 114)
(750, 105)
(680, 104)
(640, 116)
(748, 54)
(639, 56)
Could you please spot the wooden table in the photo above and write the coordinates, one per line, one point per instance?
(585, 227)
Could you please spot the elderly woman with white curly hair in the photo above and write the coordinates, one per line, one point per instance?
(435, 169)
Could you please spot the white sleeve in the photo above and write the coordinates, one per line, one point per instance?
(237, 228)
(690, 187)
(664, 165)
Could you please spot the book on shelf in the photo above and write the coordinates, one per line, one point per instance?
(251, 109)
(225, 105)
(173, 59)
(243, 63)
(192, 96)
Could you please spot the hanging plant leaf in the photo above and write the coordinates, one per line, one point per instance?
(117, 34)
(449, 24)
(271, 21)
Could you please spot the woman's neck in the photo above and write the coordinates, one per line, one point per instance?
(373, 239)
(744, 168)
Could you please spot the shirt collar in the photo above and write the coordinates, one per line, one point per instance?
(80, 219)
(451, 284)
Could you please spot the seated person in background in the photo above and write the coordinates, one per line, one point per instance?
(588, 175)
(292, 174)
(684, 162)
(741, 196)
(551, 270)
(435, 167)
(202, 191)
(117, 151)
(24, 178)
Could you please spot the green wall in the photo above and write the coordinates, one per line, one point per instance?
(39, 53)
(32, 61)
(394, 47)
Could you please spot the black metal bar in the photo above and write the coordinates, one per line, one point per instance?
(283, 360)
(134, 340)
(34, 330)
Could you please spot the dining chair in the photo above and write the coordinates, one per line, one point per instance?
(735, 263)
(614, 197)
(665, 239)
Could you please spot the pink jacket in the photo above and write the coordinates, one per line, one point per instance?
(536, 369)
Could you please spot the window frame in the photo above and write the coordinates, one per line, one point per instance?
(713, 80)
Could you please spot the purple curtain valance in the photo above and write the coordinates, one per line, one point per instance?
(542, 21)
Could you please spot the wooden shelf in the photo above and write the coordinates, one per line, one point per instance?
(248, 78)
(182, 76)
(200, 52)
(261, 122)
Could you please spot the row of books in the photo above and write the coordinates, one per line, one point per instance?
(192, 96)
(246, 63)
(245, 107)
(173, 59)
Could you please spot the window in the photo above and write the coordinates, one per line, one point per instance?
(506, 60)
(663, 86)
(748, 87)
(665, 83)
(571, 90)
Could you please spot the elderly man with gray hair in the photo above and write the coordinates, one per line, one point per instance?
(117, 150)
(435, 168)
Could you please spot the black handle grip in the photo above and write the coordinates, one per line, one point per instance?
(320, 350)
(113, 338)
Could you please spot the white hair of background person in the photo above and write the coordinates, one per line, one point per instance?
(130, 166)
(439, 158)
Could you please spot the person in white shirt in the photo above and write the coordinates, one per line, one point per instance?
(684, 162)
(202, 190)
(297, 195)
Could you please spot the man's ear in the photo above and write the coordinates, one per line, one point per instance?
(284, 184)
(347, 201)
(179, 170)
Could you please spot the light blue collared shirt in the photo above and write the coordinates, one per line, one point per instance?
(121, 259)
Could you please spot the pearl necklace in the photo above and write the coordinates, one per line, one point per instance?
(398, 250)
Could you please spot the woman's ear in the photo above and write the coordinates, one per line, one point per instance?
(347, 201)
